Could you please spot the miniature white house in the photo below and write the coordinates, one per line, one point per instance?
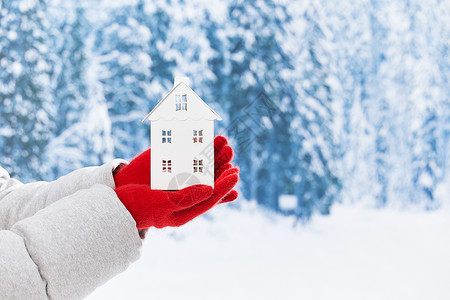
(182, 139)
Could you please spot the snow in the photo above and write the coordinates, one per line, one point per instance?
(16, 68)
(12, 35)
(287, 202)
(26, 5)
(442, 191)
(426, 180)
(356, 253)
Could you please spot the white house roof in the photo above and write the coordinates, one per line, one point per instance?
(196, 108)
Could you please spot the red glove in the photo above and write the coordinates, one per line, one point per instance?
(174, 208)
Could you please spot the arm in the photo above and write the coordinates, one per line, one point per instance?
(69, 248)
(19, 201)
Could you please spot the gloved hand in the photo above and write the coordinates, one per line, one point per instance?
(174, 208)
(138, 170)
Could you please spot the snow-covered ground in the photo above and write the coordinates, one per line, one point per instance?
(356, 253)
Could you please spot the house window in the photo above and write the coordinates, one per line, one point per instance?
(198, 136)
(167, 166)
(181, 102)
(167, 136)
(198, 165)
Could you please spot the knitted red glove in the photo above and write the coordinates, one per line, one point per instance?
(174, 208)
(138, 170)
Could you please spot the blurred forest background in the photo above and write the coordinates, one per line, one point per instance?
(325, 100)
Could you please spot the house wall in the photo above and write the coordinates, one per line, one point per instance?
(181, 151)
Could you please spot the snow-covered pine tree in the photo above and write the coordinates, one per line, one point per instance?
(314, 119)
(121, 48)
(83, 136)
(233, 85)
(442, 30)
(135, 73)
(70, 88)
(253, 69)
(349, 25)
(25, 99)
(427, 96)
(69, 31)
(276, 144)
(374, 103)
(154, 15)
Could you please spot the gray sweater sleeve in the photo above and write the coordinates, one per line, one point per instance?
(67, 249)
(19, 201)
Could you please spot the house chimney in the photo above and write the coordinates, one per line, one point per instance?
(179, 79)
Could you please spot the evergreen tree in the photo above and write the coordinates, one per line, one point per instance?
(375, 105)
(69, 32)
(317, 155)
(25, 99)
(70, 81)
(135, 72)
(259, 77)
(84, 136)
(349, 24)
(427, 93)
